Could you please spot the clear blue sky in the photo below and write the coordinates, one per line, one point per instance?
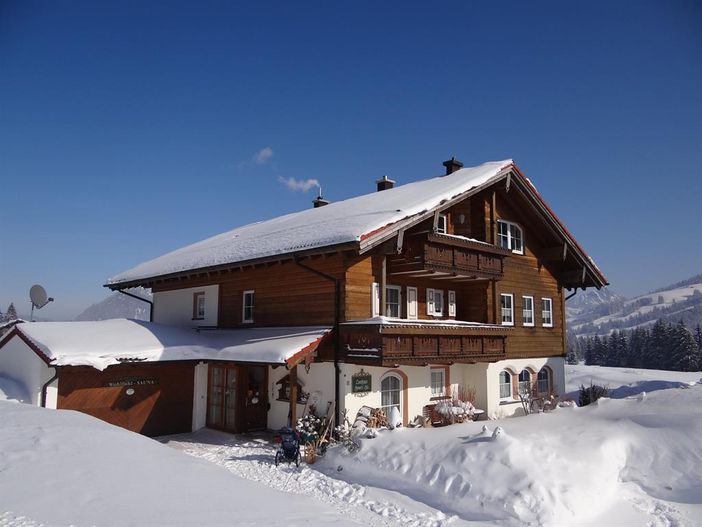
(128, 129)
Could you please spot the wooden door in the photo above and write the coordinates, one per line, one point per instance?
(222, 397)
(256, 398)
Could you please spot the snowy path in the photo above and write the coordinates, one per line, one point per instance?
(252, 459)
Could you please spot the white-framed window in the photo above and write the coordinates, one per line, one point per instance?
(452, 304)
(442, 224)
(390, 392)
(507, 309)
(543, 381)
(435, 302)
(524, 382)
(412, 311)
(505, 385)
(392, 300)
(247, 307)
(510, 236)
(199, 305)
(528, 310)
(547, 312)
(438, 382)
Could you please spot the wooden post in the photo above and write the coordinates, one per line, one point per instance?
(293, 396)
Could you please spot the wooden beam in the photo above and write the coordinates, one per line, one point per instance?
(383, 286)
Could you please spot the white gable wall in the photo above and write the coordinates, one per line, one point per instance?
(175, 307)
(19, 362)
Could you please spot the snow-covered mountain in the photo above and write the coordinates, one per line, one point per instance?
(600, 312)
(118, 305)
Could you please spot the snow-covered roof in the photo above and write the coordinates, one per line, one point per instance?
(102, 343)
(341, 222)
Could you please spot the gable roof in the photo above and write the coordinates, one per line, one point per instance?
(358, 223)
(106, 342)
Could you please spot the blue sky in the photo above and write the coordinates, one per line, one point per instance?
(128, 129)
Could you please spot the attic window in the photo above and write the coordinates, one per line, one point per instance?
(442, 224)
(510, 236)
(199, 305)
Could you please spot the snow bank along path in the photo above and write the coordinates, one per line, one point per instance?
(62, 468)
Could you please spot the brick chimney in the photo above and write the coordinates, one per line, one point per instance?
(384, 183)
(452, 165)
(319, 201)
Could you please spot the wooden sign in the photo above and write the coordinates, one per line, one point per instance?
(361, 382)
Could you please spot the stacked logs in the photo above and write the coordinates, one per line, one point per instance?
(371, 418)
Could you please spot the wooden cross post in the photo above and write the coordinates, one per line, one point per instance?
(293, 396)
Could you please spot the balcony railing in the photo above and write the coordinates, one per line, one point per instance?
(387, 342)
(443, 254)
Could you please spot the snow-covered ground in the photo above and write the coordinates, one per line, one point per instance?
(633, 460)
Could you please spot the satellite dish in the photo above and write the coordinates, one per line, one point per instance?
(37, 294)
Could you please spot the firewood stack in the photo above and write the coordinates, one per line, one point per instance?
(371, 417)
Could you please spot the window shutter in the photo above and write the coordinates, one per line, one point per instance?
(412, 302)
(375, 300)
(452, 303)
(430, 301)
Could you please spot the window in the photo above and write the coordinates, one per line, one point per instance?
(528, 310)
(505, 385)
(199, 305)
(247, 315)
(438, 383)
(442, 224)
(392, 301)
(507, 303)
(452, 303)
(543, 381)
(509, 236)
(524, 382)
(435, 302)
(390, 388)
(375, 299)
(547, 312)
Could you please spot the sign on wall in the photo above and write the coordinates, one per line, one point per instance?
(361, 382)
(130, 381)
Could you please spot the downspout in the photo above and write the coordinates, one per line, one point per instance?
(337, 340)
(45, 387)
(150, 302)
(571, 295)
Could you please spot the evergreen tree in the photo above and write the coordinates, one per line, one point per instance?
(11, 313)
(655, 354)
(684, 353)
(636, 348)
(612, 356)
(589, 356)
(698, 341)
(599, 351)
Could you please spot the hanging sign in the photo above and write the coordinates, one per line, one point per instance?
(361, 382)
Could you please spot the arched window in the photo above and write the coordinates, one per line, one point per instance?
(390, 390)
(505, 385)
(524, 382)
(543, 381)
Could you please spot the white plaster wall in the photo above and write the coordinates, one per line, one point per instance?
(319, 379)
(200, 396)
(418, 388)
(497, 409)
(175, 308)
(19, 362)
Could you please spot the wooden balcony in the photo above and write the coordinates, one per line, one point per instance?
(446, 256)
(416, 342)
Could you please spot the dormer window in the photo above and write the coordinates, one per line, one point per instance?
(510, 236)
(247, 311)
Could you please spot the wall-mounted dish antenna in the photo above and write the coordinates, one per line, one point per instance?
(37, 294)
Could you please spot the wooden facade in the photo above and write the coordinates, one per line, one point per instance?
(152, 399)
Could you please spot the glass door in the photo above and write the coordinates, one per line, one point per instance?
(230, 398)
(222, 397)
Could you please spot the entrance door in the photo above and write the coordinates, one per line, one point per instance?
(256, 404)
(222, 397)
